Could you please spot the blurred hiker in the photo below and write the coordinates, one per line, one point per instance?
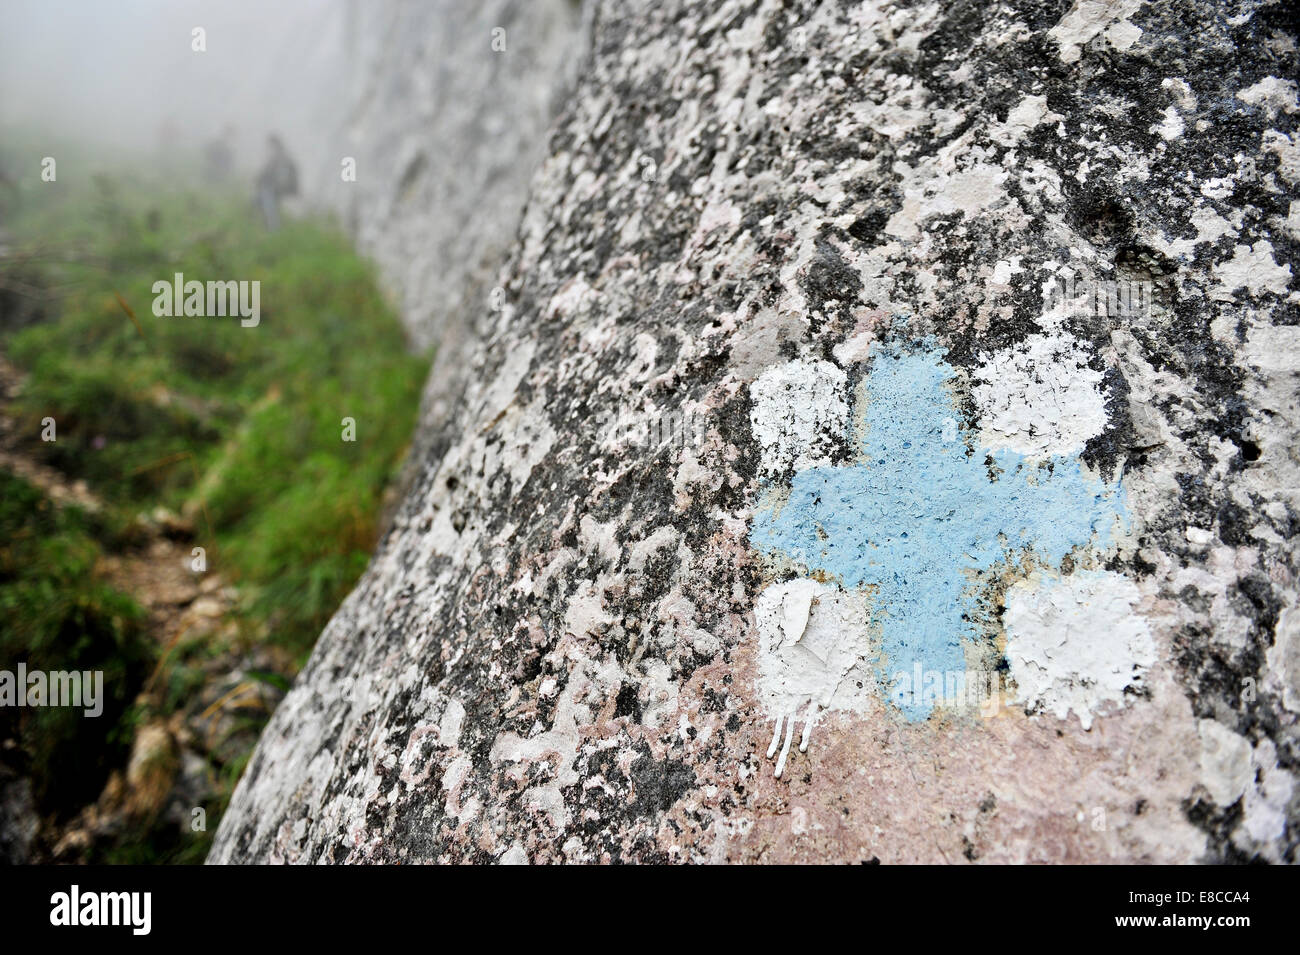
(277, 180)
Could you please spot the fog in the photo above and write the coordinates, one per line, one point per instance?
(124, 75)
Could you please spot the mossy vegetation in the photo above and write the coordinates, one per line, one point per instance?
(59, 617)
(238, 430)
(200, 414)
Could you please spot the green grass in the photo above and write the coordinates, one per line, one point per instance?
(57, 616)
(240, 428)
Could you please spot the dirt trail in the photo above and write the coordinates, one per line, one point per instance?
(174, 757)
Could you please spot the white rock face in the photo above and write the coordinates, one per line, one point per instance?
(1039, 397)
(1225, 762)
(1254, 269)
(1075, 642)
(800, 409)
(446, 128)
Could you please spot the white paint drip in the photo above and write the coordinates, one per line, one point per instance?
(776, 736)
(1076, 642)
(785, 750)
(814, 653)
(798, 413)
(1039, 397)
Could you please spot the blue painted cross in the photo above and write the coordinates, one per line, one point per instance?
(917, 517)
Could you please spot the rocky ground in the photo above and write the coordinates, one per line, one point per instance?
(175, 752)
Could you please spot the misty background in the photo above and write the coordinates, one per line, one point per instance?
(124, 76)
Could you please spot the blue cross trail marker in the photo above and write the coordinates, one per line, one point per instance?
(917, 517)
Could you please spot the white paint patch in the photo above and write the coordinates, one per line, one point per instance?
(1287, 152)
(1273, 349)
(558, 745)
(814, 654)
(453, 718)
(1254, 269)
(1122, 35)
(1024, 116)
(515, 855)
(1039, 397)
(575, 295)
(1218, 187)
(798, 414)
(1076, 642)
(855, 349)
(1005, 269)
(1209, 225)
(1182, 92)
(1266, 805)
(529, 439)
(499, 396)
(586, 614)
(1031, 111)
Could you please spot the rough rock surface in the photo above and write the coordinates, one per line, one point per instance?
(451, 105)
(847, 349)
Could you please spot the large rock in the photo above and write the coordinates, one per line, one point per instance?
(922, 375)
(450, 109)
(451, 104)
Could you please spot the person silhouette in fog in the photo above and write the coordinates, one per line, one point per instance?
(277, 180)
